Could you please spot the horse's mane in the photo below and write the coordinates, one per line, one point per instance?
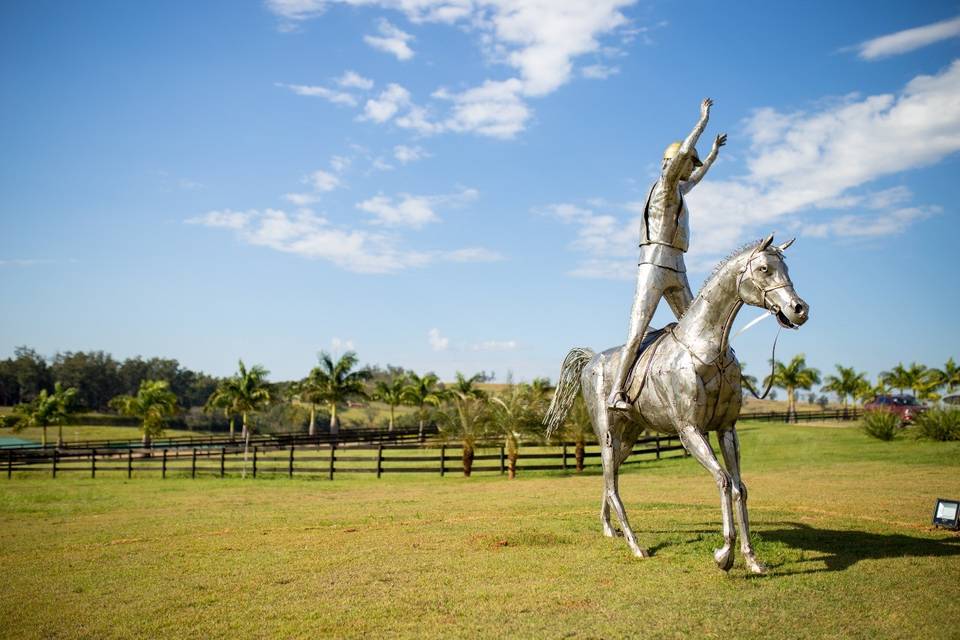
(736, 253)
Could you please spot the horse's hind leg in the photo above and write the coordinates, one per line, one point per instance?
(611, 485)
(730, 448)
(697, 444)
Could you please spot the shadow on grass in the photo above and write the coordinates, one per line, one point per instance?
(841, 549)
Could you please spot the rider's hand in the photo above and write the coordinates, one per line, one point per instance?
(719, 141)
(705, 107)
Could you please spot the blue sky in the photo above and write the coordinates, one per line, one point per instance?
(454, 184)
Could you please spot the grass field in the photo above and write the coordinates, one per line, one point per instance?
(841, 520)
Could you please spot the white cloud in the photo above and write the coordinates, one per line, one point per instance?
(340, 163)
(225, 219)
(495, 345)
(411, 211)
(609, 243)
(471, 254)
(339, 344)
(323, 180)
(493, 109)
(408, 211)
(437, 342)
(311, 236)
(909, 39)
(353, 80)
(538, 39)
(301, 199)
(406, 155)
(392, 40)
(860, 226)
(387, 104)
(599, 71)
(336, 97)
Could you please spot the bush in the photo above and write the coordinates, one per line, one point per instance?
(880, 424)
(938, 424)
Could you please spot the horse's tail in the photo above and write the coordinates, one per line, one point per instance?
(568, 386)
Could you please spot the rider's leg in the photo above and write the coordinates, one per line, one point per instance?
(679, 296)
(649, 291)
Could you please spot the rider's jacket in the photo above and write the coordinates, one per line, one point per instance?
(664, 230)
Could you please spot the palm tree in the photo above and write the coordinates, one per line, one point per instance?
(391, 393)
(468, 420)
(249, 392)
(468, 386)
(47, 409)
(308, 391)
(902, 378)
(422, 393)
(222, 399)
(951, 375)
(750, 382)
(793, 376)
(846, 384)
(579, 428)
(154, 402)
(336, 382)
(517, 412)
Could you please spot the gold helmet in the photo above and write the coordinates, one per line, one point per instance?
(672, 150)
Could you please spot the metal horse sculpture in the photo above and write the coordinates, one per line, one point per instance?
(686, 381)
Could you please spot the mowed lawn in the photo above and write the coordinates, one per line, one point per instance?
(841, 520)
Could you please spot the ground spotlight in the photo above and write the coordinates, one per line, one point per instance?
(947, 513)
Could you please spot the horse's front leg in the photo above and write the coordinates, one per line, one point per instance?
(699, 447)
(730, 448)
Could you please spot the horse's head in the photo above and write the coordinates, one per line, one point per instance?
(765, 282)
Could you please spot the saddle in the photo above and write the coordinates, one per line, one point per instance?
(644, 356)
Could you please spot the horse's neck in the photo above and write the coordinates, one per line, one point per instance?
(705, 327)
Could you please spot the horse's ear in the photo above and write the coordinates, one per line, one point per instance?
(786, 245)
(766, 243)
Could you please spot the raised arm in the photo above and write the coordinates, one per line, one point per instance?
(701, 171)
(672, 172)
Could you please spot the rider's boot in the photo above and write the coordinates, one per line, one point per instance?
(618, 401)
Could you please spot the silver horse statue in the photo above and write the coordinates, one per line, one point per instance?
(685, 382)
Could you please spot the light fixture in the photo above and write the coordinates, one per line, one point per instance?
(947, 513)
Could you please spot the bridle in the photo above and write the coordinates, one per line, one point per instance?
(748, 268)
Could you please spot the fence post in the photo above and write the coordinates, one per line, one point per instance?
(658, 446)
(129, 463)
(254, 462)
(502, 461)
(333, 449)
(93, 463)
(54, 463)
(163, 467)
(380, 459)
(223, 459)
(193, 464)
(291, 461)
(443, 459)
(564, 457)
(9, 464)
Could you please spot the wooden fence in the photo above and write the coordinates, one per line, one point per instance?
(804, 416)
(319, 459)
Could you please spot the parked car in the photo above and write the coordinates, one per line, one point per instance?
(905, 406)
(952, 399)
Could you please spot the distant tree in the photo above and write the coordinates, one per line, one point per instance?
(579, 429)
(31, 372)
(792, 376)
(467, 419)
(47, 409)
(95, 374)
(823, 401)
(153, 403)
(338, 382)
(516, 413)
(468, 386)
(951, 375)
(390, 392)
(845, 384)
(310, 392)
(221, 400)
(747, 380)
(423, 392)
(915, 378)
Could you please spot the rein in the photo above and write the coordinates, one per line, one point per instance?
(773, 366)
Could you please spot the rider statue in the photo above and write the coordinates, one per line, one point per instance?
(664, 238)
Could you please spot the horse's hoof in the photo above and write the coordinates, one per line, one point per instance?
(724, 558)
(756, 567)
(609, 532)
(641, 553)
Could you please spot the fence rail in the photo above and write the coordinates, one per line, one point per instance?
(804, 416)
(321, 459)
